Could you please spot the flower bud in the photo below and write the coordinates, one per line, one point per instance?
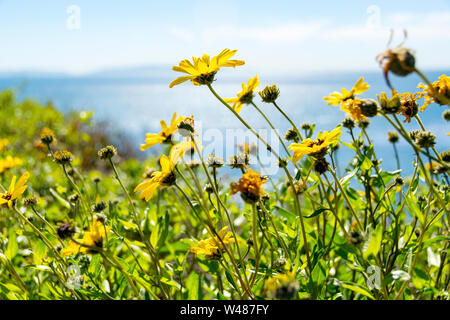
(107, 152)
(63, 157)
(369, 107)
(393, 137)
(270, 94)
(348, 123)
(291, 135)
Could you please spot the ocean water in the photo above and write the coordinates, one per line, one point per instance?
(136, 105)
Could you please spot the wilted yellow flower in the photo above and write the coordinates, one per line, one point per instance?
(336, 98)
(3, 144)
(409, 106)
(315, 148)
(246, 95)
(165, 177)
(152, 139)
(9, 162)
(201, 71)
(250, 186)
(282, 286)
(212, 247)
(442, 87)
(14, 190)
(92, 238)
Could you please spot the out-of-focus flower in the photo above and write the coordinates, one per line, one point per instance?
(15, 190)
(250, 186)
(9, 162)
(48, 136)
(212, 247)
(201, 71)
(165, 135)
(92, 238)
(282, 286)
(442, 86)
(315, 148)
(246, 95)
(3, 143)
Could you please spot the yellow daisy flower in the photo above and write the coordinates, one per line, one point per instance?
(3, 144)
(353, 109)
(336, 98)
(152, 139)
(282, 286)
(165, 177)
(442, 87)
(246, 95)
(212, 247)
(14, 190)
(92, 238)
(201, 71)
(9, 162)
(315, 148)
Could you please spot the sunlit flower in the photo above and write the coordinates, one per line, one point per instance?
(92, 238)
(165, 135)
(212, 247)
(201, 71)
(14, 191)
(353, 108)
(3, 144)
(282, 286)
(250, 186)
(442, 87)
(336, 98)
(315, 148)
(246, 95)
(166, 177)
(9, 162)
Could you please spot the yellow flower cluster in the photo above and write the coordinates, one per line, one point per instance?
(250, 186)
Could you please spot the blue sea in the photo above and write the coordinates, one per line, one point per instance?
(136, 105)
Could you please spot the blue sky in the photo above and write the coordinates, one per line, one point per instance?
(287, 36)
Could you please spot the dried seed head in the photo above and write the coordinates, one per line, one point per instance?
(47, 136)
(425, 139)
(63, 157)
(291, 135)
(30, 201)
(270, 94)
(446, 115)
(364, 123)
(73, 198)
(98, 207)
(413, 134)
(306, 126)
(100, 217)
(445, 156)
(239, 161)
(214, 162)
(282, 163)
(107, 152)
(348, 123)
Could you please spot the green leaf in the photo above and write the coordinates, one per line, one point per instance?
(357, 289)
(193, 286)
(12, 249)
(316, 213)
(375, 242)
(59, 198)
(346, 178)
(348, 145)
